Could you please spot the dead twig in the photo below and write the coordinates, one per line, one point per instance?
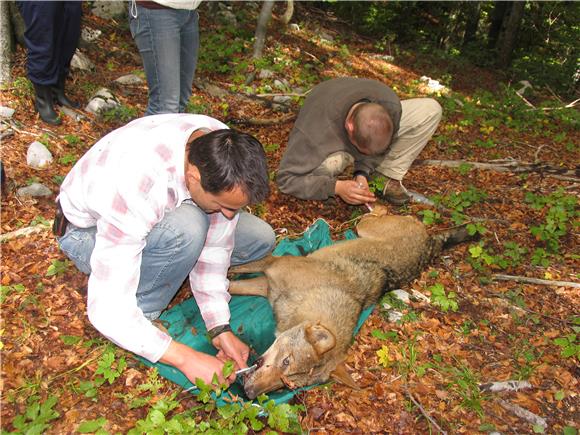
(425, 413)
(26, 231)
(257, 121)
(527, 280)
(524, 414)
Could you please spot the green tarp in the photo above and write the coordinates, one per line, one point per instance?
(251, 316)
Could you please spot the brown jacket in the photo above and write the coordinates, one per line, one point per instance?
(319, 132)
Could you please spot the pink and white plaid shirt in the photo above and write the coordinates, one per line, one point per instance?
(124, 185)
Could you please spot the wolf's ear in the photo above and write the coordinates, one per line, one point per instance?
(339, 374)
(321, 339)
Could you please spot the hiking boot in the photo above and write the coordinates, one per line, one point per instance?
(60, 97)
(43, 104)
(395, 193)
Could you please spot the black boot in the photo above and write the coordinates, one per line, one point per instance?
(43, 104)
(60, 97)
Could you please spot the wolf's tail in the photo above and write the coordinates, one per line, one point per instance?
(448, 239)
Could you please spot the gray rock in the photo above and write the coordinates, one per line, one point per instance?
(282, 99)
(109, 9)
(215, 91)
(6, 112)
(294, 27)
(102, 101)
(265, 74)
(70, 113)
(326, 37)
(38, 156)
(82, 62)
(34, 190)
(90, 35)
(401, 295)
(283, 84)
(130, 79)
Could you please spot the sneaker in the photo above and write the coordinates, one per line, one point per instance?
(395, 193)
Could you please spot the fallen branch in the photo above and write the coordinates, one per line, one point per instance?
(509, 166)
(257, 121)
(567, 106)
(26, 231)
(495, 387)
(527, 280)
(524, 414)
(425, 413)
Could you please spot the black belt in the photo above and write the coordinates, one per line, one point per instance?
(60, 221)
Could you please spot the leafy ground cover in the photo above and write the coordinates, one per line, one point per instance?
(426, 371)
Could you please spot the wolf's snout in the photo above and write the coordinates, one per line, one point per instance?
(259, 362)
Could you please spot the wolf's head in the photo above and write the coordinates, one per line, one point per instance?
(303, 355)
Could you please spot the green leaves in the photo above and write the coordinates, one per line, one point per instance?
(57, 267)
(36, 417)
(570, 346)
(92, 426)
(446, 301)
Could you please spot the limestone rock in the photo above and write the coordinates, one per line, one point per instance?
(38, 156)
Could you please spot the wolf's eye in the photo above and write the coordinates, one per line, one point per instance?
(286, 361)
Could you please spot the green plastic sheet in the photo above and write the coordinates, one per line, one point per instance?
(252, 318)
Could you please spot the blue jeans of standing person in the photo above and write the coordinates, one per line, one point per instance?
(52, 32)
(168, 40)
(171, 250)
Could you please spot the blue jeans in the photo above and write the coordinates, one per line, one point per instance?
(168, 40)
(171, 250)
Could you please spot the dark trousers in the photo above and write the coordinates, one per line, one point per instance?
(52, 33)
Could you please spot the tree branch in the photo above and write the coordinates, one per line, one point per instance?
(26, 231)
(425, 413)
(525, 279)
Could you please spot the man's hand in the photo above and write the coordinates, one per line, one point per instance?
(231, 347)
(355, 191)
(194, 364)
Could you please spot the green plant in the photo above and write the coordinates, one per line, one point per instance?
(430, 217)
(120, 113)
(7, 290)
(465, 384)
(377, 184)
(525, 357)
(446, 301)
(57, 267)
(109, 368)
(72, 139)
(35, 420)
(570, 346)
(271, 147)
(561, 211)
(196, 105)
(58, 179)
(93, 426)
(68, 159)
(381, 335)
(39, 220)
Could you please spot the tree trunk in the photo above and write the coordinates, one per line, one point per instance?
(497, 16)
(6, 43)
(510, 34)
(262, 28)
(472, 12)
(289, 12)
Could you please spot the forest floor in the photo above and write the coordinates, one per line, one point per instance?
(422, 374)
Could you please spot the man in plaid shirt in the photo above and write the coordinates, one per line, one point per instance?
(151, 203)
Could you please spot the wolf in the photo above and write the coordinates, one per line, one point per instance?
(317, 299)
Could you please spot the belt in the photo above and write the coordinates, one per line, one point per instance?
(149, 4)
(60, 221)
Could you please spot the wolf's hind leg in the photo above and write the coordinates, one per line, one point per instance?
(250, 287)
(253, 266)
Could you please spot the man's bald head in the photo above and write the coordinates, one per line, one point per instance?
(372, 128)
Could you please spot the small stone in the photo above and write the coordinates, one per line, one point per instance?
(294, 27)
(102, 101)
(70, 113)
(38, 156)
(109, 9)
(6, 112)
(282, 99)
(90, 35)
(35, 190)
(129, 79)
(401, 295)
(82, 62)
(265, 74)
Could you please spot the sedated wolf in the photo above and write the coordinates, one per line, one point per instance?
(317, 299)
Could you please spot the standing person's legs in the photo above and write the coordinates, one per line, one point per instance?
(157, 35)
(419, 121)
(69, 34)
(172, 248)
(40, 18)
(189, 53)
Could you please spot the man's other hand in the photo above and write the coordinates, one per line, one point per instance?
(355, 191)
(231, 347)
(194, 364)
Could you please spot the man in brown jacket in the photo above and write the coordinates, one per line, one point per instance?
(356, 121)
